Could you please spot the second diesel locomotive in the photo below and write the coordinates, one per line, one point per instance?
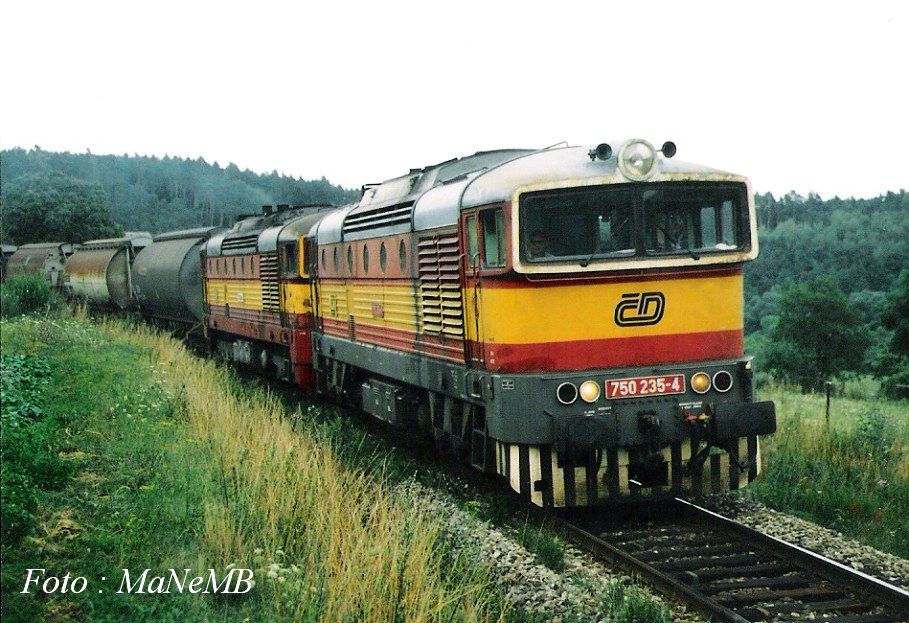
(570, 319)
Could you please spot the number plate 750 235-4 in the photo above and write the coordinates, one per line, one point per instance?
(635, 387)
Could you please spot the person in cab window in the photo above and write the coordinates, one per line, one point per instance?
(539, 246)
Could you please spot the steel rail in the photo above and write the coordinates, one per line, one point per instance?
(629, 563)
(872, 592)
(884, 592)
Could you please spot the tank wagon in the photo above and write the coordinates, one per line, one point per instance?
(100, 271)
(45, 259)
(167, 276)
(570, 319)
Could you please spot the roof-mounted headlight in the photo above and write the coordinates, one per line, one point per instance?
(636, 159)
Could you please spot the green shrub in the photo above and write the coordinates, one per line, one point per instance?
(22, 379)
(30, 450)
(17, 505)
(896, 385)
(629, 604)
(25, 295)
(873, 434)
(27, 445)
(547, 549)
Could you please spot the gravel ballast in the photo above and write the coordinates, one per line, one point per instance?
(824, 541)
(579, 592)
(576, 594)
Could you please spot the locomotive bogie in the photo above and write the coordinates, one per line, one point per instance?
(265, 358)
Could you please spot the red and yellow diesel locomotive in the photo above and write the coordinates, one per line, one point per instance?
(569, 318)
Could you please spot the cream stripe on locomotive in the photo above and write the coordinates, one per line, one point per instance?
(535, 473)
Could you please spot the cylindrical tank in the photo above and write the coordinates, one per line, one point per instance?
(100, 276)
(167, 276)
(45, 259)
(100, 270)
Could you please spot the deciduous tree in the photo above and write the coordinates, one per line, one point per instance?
(55, 208)
(819, 334)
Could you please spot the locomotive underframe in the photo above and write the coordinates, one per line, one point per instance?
(555, 454)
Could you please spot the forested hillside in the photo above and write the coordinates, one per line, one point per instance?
(828, 295)
(161, 194)
(861, 243)
(823, 299)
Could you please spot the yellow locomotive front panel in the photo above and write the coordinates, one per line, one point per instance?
(611, 321)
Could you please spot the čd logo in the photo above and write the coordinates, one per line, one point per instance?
(637, 309)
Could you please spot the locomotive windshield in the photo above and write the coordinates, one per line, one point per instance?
(633, 220)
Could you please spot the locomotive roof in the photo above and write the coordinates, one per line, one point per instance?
(388, 207)
(434, 196)
(572, 165)
(261, 232)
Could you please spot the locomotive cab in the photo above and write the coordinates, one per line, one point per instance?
(608, 307)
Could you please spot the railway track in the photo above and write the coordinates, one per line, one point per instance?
(724, 569)
(730, 572)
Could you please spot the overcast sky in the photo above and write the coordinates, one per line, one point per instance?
(796, 98)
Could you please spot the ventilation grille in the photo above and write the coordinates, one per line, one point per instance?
(441, 311)
(381, 217)
(268, 270)
(240, 243)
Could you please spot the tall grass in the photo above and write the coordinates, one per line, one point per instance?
(330, 543)
(175, 464)
(851, 475)
(24, 294)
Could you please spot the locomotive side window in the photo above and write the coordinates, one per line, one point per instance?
(473, 243)
(289, 260)
(492, 222)
(306, 252)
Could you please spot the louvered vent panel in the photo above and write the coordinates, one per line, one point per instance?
(381, 217)
(240, 243)
(268, 269)
(441, 309)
